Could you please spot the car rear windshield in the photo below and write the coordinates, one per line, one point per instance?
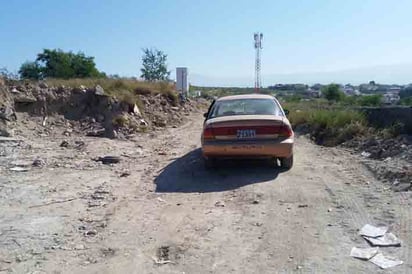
(245, 107)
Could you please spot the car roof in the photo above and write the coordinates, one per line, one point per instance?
(245, 96)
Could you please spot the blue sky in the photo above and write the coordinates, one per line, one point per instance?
(304, 41)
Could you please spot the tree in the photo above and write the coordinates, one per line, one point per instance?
(154, 65)
(332, 92)
(406, 91)
(59, 64)
(30, 70)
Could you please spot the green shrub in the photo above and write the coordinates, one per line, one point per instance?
(370, 100)
(332, 92)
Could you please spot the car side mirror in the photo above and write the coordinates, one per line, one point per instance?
(205, 114)
(286, 111)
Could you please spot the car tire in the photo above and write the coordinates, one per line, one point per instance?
(286, 162)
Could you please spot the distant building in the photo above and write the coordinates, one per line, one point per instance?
(314, 93)
(391, 97)
(350, 90)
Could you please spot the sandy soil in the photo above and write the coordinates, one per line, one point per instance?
(160, 211)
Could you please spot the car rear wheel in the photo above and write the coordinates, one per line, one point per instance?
(286, 163)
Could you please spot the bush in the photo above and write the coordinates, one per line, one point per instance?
(330, 126)
(406, 101)
(332, 92)
(370, 100)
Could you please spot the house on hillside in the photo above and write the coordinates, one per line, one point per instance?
(391, 97)
(313, 93)
(350, 90)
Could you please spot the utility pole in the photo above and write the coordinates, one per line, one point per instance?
(258, 46)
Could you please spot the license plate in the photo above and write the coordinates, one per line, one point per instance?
(246, 133)
(247, 147)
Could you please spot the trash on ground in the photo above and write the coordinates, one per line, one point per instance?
(384, 261)
(389, 239)
(365, 154)
(108, 160)
(19, 169)
(373, 231)
(364, 253)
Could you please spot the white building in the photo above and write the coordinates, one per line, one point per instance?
(182, 84)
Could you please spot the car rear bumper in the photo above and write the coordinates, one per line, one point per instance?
(248, 149)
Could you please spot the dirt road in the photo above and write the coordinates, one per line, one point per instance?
(160, 211)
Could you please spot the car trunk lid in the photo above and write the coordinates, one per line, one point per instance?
(247, 127)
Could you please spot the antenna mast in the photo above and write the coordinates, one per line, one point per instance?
(258, 46)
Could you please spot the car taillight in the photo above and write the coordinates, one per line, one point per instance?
(285, 131)
(208, 133)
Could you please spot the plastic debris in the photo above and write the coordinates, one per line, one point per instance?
(385, 262)
(19, 169)
(373, 231)
(364, 253)
(365, 154)
(389, 239)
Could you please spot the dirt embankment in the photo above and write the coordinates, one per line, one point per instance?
(89, 110)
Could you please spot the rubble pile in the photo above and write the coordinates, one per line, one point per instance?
(88, 111)
(390, 159)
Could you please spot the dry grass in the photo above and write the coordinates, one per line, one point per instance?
(329, 126)
(123, 89)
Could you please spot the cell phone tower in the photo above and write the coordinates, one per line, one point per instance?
(258, 47)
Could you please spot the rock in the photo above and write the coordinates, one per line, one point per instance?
(402, 187)
(7, 113)
(143, 123)
(108, 160)
(98, 90)
(90, 233)
(136, 110)
(67, 132)
(64, 144)
(14, 90)
(125, 174)
(38, 163)
(24, 98)
(96, 133)
(160, 123)
(219, 204)
(3, 130)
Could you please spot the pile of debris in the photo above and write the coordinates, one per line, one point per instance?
(88, 111)
(390, 159)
